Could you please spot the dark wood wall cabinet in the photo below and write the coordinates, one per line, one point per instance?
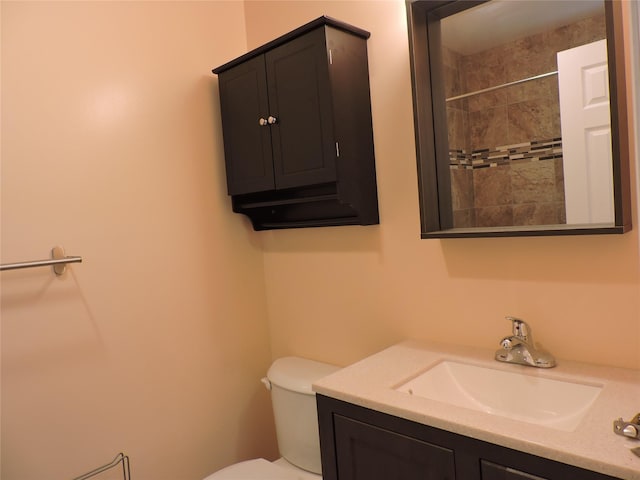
(296, 122)
(362, 444)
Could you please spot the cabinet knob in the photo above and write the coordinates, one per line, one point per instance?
(271, 120)
(262, 122)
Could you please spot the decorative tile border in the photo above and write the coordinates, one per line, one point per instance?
(536, 150)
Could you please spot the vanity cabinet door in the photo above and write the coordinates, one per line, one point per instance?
(367, 452)
(511, 465)
(492, 471)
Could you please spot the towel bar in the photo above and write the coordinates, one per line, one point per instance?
(59, 262)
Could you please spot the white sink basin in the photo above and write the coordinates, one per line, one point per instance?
(543, 401)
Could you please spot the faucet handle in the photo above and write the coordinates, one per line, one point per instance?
(520, 328)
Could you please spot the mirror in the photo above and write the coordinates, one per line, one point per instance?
(520, 117)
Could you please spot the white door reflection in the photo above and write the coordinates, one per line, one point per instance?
(583, 79)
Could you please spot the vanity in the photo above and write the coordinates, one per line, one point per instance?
(420, 410)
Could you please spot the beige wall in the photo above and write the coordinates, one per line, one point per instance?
(338, 294)
(111, 147)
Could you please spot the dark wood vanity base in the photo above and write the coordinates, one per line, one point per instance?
(362, 444)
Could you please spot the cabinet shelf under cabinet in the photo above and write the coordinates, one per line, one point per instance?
(297, 129)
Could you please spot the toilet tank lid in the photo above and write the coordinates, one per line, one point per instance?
(297, 374)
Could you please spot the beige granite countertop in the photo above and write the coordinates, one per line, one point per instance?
(592, 445)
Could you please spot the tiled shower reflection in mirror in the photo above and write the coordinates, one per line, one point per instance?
(503, 111)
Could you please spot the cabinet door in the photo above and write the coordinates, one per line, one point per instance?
(304, 147)
(247, 143)
(492, 471)
(526, 463)
(367, 452)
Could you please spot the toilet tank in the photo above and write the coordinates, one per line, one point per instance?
(294, 409)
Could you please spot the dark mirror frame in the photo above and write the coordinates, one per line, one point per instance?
(430, 123)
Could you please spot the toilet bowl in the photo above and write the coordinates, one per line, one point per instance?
(294, 407)
(261, 469)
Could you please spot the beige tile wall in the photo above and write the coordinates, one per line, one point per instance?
(526, 193)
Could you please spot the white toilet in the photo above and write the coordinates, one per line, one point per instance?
(296, 419)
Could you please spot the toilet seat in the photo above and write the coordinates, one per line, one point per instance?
(260, 469)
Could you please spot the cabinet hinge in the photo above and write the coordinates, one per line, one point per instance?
(337, 149)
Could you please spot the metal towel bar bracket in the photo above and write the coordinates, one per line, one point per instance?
(58, 261)
(120, 458)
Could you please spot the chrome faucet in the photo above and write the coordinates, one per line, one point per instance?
(519, 348)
